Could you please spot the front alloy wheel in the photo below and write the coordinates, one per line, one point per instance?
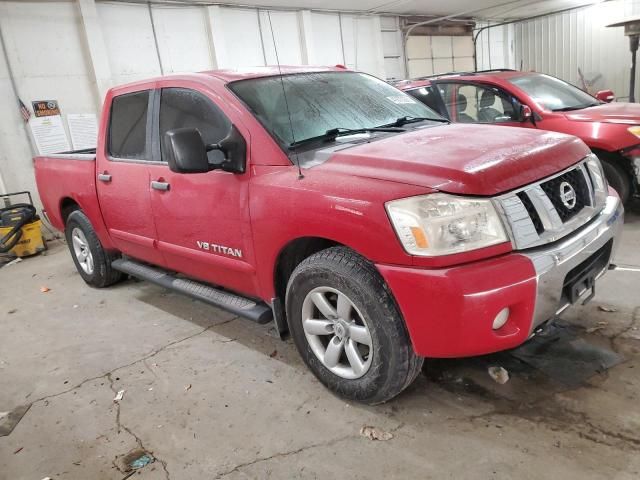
(337, 332)
(347, 327)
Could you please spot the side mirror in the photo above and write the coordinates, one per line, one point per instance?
(606, 96)
(185, 151)
(234, 148)
(525, 113)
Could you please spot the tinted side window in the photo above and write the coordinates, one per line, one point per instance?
(426, 95)
(181, 107)
(128, 126)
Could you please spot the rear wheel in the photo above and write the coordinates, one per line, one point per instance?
(348, 329)
(618, 179)
(92, 261)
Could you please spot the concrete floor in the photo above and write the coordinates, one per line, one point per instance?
(211, 396)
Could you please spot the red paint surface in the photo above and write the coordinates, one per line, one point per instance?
(447, 302)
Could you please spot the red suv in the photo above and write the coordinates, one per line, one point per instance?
(535, 100)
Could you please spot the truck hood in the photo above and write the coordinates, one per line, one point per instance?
(462, 159)
(624, 113)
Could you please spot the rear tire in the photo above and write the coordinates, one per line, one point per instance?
(618, 179)
(376, 361)
(92, 260)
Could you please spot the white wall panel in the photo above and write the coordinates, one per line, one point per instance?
(183, 39)
(243, 39)
(129, 40)
(43, 43)
(566, 44)
(326, 39)
(363, 45)
(286, 32)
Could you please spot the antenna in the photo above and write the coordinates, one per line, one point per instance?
(284, 93)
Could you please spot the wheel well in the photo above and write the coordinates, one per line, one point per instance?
(623, 162)
(67, 206)
(292, 255)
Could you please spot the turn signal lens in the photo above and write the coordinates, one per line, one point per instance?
(634, 130)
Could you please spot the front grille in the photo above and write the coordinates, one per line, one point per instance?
(531, 210)
(578, 182)
(548, 210)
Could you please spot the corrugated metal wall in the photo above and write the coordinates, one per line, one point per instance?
(565, 43)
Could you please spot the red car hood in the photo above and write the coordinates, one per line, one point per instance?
(625, 113)
(461, 158)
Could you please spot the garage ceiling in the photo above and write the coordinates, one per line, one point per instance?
(484, 9)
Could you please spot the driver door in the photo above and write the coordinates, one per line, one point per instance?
(202, 219)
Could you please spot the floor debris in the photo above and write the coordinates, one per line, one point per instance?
(187, 388)
(9, 420)
(499, 375)
(13, 262)
(12, 311)
(118, 396)
(607, 308)
(565, 357)
(375, 433)
(141, 461)
(133, 461)
(45, 289)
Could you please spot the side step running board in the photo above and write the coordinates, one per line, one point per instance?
(236, 304)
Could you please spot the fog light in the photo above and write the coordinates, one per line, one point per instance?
(501, 318)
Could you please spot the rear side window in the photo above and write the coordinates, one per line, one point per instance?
(128, 127)
(185, 108)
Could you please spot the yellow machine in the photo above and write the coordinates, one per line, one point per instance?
(20, 233)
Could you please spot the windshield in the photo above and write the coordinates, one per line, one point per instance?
(553, 93)
(319, 102)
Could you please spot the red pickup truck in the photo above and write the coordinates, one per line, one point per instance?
(367, 226)
(534, 100)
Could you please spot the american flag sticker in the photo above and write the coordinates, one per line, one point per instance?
(24, 111)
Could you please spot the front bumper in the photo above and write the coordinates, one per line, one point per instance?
(450, 312)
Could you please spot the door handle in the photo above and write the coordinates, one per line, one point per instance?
(156, 185)
(104, 177)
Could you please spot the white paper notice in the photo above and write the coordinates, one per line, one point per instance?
(83, 128)
(49, 134)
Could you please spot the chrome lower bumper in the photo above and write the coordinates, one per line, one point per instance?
(554, 263)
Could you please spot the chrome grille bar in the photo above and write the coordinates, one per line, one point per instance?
(521, 225)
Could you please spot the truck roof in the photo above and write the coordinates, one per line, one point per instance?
(231, 75)
(486, 75)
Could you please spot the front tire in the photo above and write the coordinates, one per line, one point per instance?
(92, 260)
(618, 179)
(348, 329)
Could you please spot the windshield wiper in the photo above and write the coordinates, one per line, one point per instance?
(404, 120)
(575, 107)
(334, 133)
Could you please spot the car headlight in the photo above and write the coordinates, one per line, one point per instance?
(600, 186)
(442, 224)
(634, 130)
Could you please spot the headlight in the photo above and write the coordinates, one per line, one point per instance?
(442, 224)
(600, 186)
(634, 130)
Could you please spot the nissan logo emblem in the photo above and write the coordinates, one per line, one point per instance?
(567, 195)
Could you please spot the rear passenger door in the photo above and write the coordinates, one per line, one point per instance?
(202, 219)
(123, 176)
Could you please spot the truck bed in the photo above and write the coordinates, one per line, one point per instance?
(64, 180)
